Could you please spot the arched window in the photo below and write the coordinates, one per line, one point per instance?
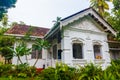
(97, 51)
(77, 49)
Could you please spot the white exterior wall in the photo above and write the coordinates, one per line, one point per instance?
(50, 61)
(87, 33)
(31, 61)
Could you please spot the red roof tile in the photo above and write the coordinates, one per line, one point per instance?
(22, 29)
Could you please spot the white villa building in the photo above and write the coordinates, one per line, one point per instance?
(78, 39)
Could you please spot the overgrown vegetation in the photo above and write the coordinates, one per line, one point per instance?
(61, 72)
(6, 42)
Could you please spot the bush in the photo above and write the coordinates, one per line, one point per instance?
(114, 69)
(48, 74)
(117, 62)
(90, 72)
(22, 70)
(61, 72)
(5, 70)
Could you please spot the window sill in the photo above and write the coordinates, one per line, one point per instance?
(99, 61)
(79, 61)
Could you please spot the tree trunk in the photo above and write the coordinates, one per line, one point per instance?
(5, 61)
(37, 58)
(100, 9)
(26, 58)
(20, 60)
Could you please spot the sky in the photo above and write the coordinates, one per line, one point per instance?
(41, 13)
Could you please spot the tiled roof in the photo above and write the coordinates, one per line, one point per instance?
(22, 29)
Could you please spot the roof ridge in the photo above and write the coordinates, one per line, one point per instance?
(76, 13)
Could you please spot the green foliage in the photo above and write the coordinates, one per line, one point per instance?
(18, 71)
(90, 72)
(5, 43)
(27, 35)
(114, 18)
(101, 6)
(116, 62)
(114, 69)
(23, 75)
(61, 72)
(39, 45)
(22, 67)
(5, 70)
(116, 4)
(48, 74)
(21, 50)
(5, 5)
(24, 70)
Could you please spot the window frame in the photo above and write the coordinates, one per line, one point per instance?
(82, 48)
(99, 54)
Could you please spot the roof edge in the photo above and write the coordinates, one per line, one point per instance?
(76, 13)
(17, 35)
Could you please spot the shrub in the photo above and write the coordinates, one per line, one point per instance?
(90, 72)
(61, 72)
(114, 69)
(117, 62)
(6, 69)
(22, 70)
(48, 74)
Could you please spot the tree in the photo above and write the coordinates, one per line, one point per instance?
(5, 5)
(5, 41)
(21, 50)
(100, 5)
(114, 19)
(57, 20)
(39, 45)
(4, 24)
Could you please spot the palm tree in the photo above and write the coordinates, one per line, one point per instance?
(39, 45)
(57, 21)
(21, 50)
(100, 5)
